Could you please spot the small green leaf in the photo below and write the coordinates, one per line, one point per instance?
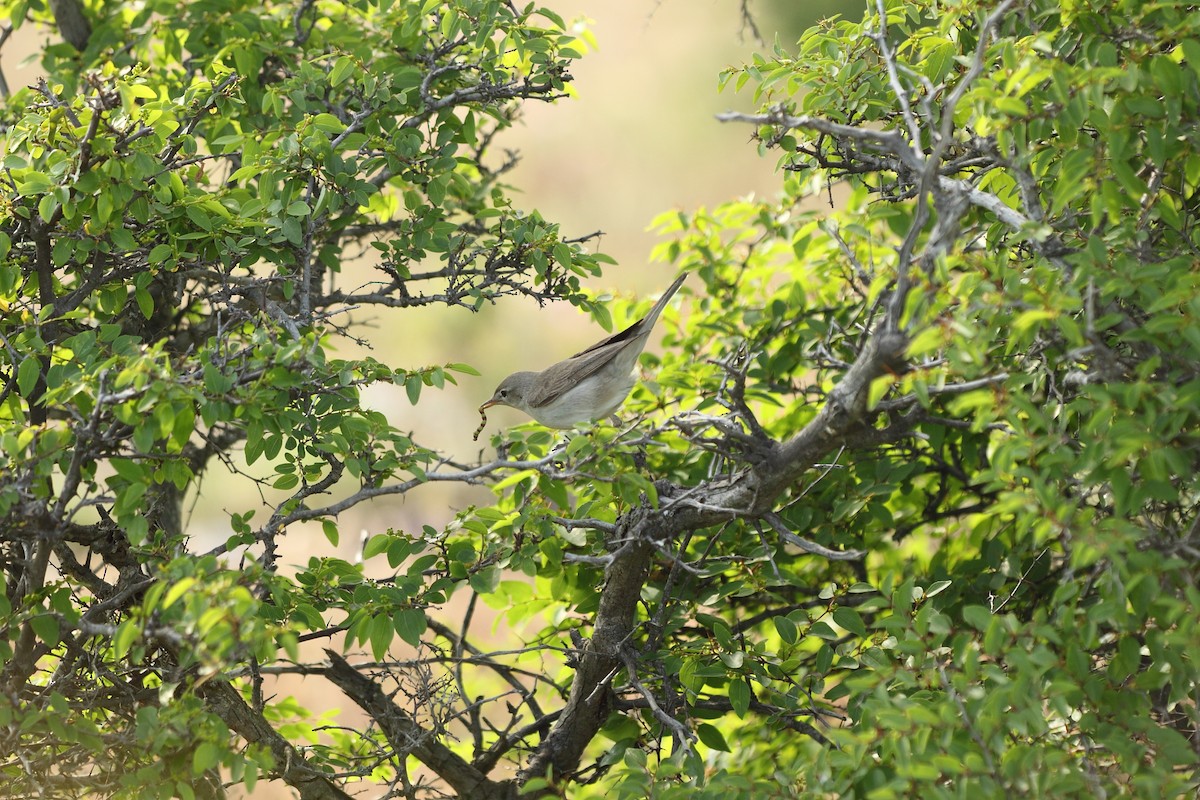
(574, 536)
(410, 624)
(286, 482)
(204, 758)
(688, 677)
(201, 219)
(603, 316)
(143, 436)
(786, 629)
(47, 206)
(145, 303)
(739, 697)
(824, 659)
(342, 69)
(328, 123)
(397, 551)
(562, 254)
(412, 385)
(183, 425)
(712, 737)
(34, 183)
(381, 636)
(937, 587)
(849, 619)
(160, 253)
(46, 628)
(977, 617)
(177, 591)
(376, 545)
(27, 375)
(123, 639)
(878, 388)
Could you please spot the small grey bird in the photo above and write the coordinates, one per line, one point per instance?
(589, 385)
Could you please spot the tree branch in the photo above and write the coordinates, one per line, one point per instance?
(406, 736)
(291, 766)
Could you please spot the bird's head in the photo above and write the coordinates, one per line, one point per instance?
(512, 391)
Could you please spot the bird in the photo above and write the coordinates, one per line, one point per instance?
(589, 385)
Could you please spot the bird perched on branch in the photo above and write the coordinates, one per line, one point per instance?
(589, 385)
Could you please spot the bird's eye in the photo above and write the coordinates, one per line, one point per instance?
(504, 392)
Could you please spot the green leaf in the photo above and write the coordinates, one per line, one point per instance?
(343, 68)
(878, 389)
(205, 757)
(328, 123)
(786, 629)
(412, 385)
(562, 254)
(850, 619)
(183, 425)
(160, 253)
(712, 737)
(127, 633)
(176, 591)
(330, 529)
(47, 206)
(380, 633)
(977, 617)
(375, 545)
(34, 183)
(410, 623)
(144, 436)
(45, 626)
(27, 375)
(286, 482)
(739, 697)
(935, 588)
(145, 302)
(603, 316)
(199, 217)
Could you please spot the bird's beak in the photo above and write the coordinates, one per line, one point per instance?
(489, 404)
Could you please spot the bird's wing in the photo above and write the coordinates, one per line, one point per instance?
(564, 375)
(620, 337)
(560, 377)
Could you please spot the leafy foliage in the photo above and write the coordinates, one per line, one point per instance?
(909, 508)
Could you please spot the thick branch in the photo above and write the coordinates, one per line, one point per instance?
(292, 767)
(406, 736)
(590, 701)
(844, 411)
